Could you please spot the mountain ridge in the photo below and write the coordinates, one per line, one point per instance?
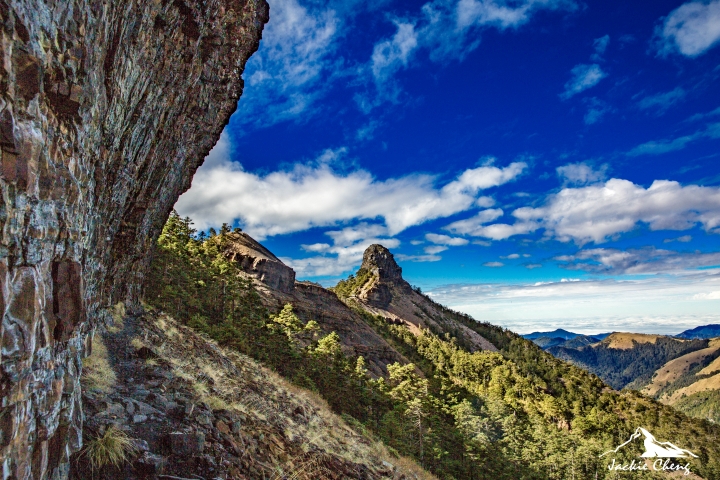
(703, 331)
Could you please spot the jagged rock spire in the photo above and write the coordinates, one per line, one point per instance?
(378, 260)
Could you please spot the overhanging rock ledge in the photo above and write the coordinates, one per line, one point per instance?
(107, 108)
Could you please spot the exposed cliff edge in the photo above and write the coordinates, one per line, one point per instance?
(259, 262)
(106, 111)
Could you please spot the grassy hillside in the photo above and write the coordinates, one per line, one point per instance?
(690, 383)
(683, 373)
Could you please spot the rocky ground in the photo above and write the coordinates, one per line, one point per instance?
(194, 411)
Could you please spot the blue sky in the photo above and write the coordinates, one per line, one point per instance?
(535, 163)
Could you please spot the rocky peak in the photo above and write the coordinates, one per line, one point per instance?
(379, 261)
(259, 262)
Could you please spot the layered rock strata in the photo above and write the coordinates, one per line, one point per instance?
(106, 110)
(259, 262)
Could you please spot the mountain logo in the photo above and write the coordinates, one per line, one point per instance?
(654, 448)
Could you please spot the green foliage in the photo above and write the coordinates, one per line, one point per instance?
(687, 378)
(191, 279)
(701, 405)
(353, 284)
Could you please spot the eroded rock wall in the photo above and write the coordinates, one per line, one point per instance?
(107, 108)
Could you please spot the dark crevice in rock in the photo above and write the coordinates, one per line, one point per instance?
(109, 62)
(189, 26)
(67, 298)
(28, 77)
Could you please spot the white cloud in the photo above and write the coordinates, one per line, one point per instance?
(475, 226)
(390, 55)
(501, 14)
(652, 304)
(357, 233)
(418, 258)
(501, 231)
(707, 296)
(316, 247)
(684, 239)
(512, 256)
(493, 264)
(700, 116)
(580, 174)
(367, 132)
(446, 30)
(288, 73)
(600, 45)
(439, 239)
(344, 254)
(658, 147)
(434, 249)
(583, 77)
(531, 266)
(598, 212)
(637, 261)
(314, 195)
(485, 202)
(691, 29)
(470, 225)
(662, 101)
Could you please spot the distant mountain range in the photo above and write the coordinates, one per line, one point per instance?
(705, 331)
(681, 370)
(563, 338)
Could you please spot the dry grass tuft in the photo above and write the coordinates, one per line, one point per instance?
(97, 373)
(412, 469)
(309, 467)
(113, 448)
(117, 313)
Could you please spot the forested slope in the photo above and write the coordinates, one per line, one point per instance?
(508, 410)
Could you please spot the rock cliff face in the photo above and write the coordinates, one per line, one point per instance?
(106, 110)
(259, 262)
